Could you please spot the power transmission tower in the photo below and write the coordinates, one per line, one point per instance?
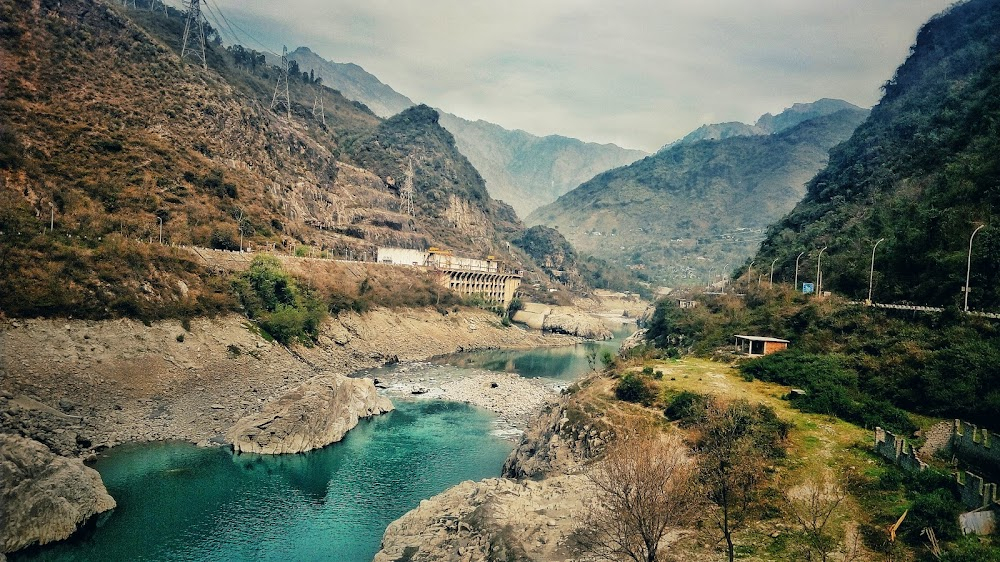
(281, 88)
(406, 190)
(318, 107)
(193, 42)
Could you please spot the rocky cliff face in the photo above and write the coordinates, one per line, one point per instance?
(319, 412)
(44, 497)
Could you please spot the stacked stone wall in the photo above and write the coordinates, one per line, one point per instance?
(897, 450)
(970, 442)
(975, 492)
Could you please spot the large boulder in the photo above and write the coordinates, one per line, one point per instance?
(570, 320)
(44, 497)
(493, 519)
(313, 415)
(635, 340)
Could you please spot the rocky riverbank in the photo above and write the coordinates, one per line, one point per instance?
(531, 514)
(514, 399)
(44, 497)
(494, 519)
(78, 386)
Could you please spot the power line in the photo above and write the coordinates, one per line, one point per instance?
(245, 32)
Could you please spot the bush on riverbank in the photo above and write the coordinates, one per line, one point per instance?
(282, 309)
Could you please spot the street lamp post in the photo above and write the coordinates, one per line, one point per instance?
(968, 266)
(819, 273)
(750, 272)
(871, 272)
(795, 286)
(770, 279)
(161, 229)
(52, 216)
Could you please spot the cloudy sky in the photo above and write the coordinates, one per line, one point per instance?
(636, 73)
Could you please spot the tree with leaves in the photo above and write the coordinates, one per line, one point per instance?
(735, 444)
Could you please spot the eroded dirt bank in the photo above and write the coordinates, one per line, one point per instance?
(81, 385)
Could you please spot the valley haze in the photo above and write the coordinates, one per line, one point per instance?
(637, 74)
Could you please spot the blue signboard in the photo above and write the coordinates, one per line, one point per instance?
(807, 288)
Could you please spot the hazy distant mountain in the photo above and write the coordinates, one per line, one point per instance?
(353, 82)
(521, 169)
(767, 124)
(690, 209)
(527, 171)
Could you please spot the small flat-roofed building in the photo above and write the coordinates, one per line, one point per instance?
(759, 345)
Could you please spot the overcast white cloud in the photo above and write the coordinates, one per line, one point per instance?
(636, 73)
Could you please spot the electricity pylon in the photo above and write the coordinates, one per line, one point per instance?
(281, 87)
(194, 31)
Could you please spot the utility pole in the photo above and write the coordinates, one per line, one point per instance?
(193, 42)
(871, 272)
(52, 217)
(795, 286)
(968, 266)
(819, 273)
(406, 190)
(281, 87)
(318, 107)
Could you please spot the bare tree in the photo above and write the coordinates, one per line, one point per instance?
(813, 504)
(646, 485)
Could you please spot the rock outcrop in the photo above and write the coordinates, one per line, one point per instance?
(44, 497)
(563, 320)
(635, 340)
(559, 441)
(568, 320)
(313, 415)
(493, 519)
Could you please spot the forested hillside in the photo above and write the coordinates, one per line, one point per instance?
(687, 211)
(922, 172)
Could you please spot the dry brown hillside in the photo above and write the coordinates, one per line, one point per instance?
(105, 135)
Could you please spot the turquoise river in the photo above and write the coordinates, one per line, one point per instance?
(180, 502)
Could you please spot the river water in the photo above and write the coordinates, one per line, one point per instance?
(180, 502)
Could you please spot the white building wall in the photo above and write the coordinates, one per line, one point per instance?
(402, 256)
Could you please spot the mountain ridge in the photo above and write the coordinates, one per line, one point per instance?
(686, 211)
(520, 168)
(200, 159)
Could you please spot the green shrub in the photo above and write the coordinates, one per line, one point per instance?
(687, 407)
(282, 310)
(937, 509)
(633, 388)
(830, 388)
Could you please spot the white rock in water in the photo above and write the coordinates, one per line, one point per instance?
(313, 415)
(44, 497)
